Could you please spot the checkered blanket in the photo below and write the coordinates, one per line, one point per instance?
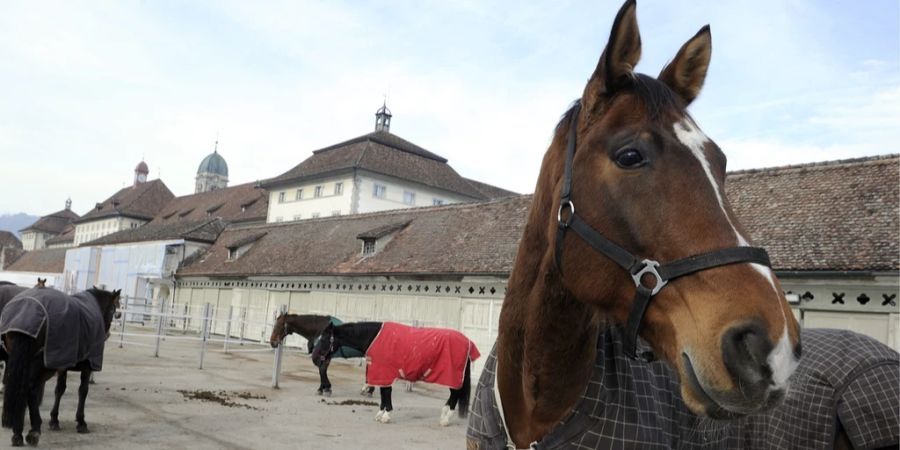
(74, 325)
(637, 405)
(433, 355)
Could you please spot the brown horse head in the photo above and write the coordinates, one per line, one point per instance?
(279, 330)
(646, 178)
(41, 283)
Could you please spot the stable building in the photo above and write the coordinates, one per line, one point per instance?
(831, 230)
(37, 235)
(373, 172)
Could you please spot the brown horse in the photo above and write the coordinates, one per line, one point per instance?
(646, 181)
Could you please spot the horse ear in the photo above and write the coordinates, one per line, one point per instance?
(616, 65)
(686, 73)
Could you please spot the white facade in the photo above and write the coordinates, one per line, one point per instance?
(34, 240)
(88, 231)
(309, 199)
(355, 195)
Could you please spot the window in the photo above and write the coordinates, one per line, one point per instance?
(314, 215)
(281, 197)
(336, 212)
(279, 219)
(232, 254)
(297, 217)
(380, 191)
(338, 188)
(368, 246)
(318, 192)
(437, 202)
(409, 198)
(299, 194)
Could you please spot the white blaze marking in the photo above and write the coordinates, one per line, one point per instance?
(782, 360)
(690, 135)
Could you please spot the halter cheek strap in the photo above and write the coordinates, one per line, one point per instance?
(636, 267)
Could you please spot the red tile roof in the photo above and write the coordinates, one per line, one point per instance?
(241, 203)
(383, 153)
(55, 223)
(141, 201)
(8, 239)
(45, 261)
(842, 215)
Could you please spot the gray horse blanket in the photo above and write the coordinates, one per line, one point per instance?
(637, 405)
(74, 325)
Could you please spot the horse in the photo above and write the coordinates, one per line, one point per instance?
(41, 283)
(47, 332)
(310, 326)
(646, 319)
(434, 355)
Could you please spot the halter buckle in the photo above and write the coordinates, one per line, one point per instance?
(650, 267)
(563, 205)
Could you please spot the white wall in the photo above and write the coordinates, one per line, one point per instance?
(88, 231)
(289, 209)
(394, 198)
(29, 279)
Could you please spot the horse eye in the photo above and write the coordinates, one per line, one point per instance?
(629, 158)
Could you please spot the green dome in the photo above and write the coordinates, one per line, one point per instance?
(214, 163)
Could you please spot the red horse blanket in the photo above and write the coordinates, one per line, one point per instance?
(433, 355)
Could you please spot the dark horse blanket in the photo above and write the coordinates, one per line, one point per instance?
(74, 325)
(433, 355)
(637, 405)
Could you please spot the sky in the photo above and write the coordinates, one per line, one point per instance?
(92, 88)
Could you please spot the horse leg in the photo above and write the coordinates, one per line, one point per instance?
(324, 384)
(34, 411)
(21, 372)
(384, 413)
(81, 426)
(367, 390)
(59, 391)
(449, 407)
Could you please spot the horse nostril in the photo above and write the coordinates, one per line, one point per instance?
(744, 350)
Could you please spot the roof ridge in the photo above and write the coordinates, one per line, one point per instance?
(820, 165)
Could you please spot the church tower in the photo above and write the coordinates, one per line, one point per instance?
(212, 173)
(140, 173)
(383, 119)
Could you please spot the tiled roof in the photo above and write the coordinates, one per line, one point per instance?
(46, 261)
(53, 223)
(142, 201)
(8, 239)
(204, 230)
(382, 153)
(8, 255)
(241, 203)
(459, 239)
(489, 191)
(382, 231)
(68, 235)
(839, 215)
(842, 215)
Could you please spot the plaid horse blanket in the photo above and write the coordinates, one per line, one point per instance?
(433, 355)
(637, 405)
(74, 325)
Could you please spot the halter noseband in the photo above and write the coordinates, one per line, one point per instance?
(636, 267)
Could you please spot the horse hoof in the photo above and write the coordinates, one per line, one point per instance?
(17, 441)
(327, 393)
(53, 425)
(33, 437)
(82, 428)
(385, 418)
(319, 392)
(446, 415)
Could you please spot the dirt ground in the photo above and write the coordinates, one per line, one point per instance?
(142, 402)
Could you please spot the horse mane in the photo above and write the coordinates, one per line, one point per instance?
(362, 333)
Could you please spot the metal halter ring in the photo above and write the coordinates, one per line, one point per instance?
(650, 267)
(571, 213)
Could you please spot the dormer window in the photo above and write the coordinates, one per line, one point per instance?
(242, 246)
(368, 246)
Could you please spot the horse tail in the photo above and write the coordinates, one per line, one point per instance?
(464, 391)
(19, 378)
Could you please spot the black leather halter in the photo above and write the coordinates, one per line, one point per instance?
(637, 267)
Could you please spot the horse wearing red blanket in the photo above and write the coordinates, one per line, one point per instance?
(433, 355)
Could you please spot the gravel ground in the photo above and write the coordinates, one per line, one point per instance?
(142, 402)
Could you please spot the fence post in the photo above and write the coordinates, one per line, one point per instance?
(243, 322)
(276, 369)
(228, 328)
(122, 327)
(159, 326)
(204, 333)
(184, 319)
